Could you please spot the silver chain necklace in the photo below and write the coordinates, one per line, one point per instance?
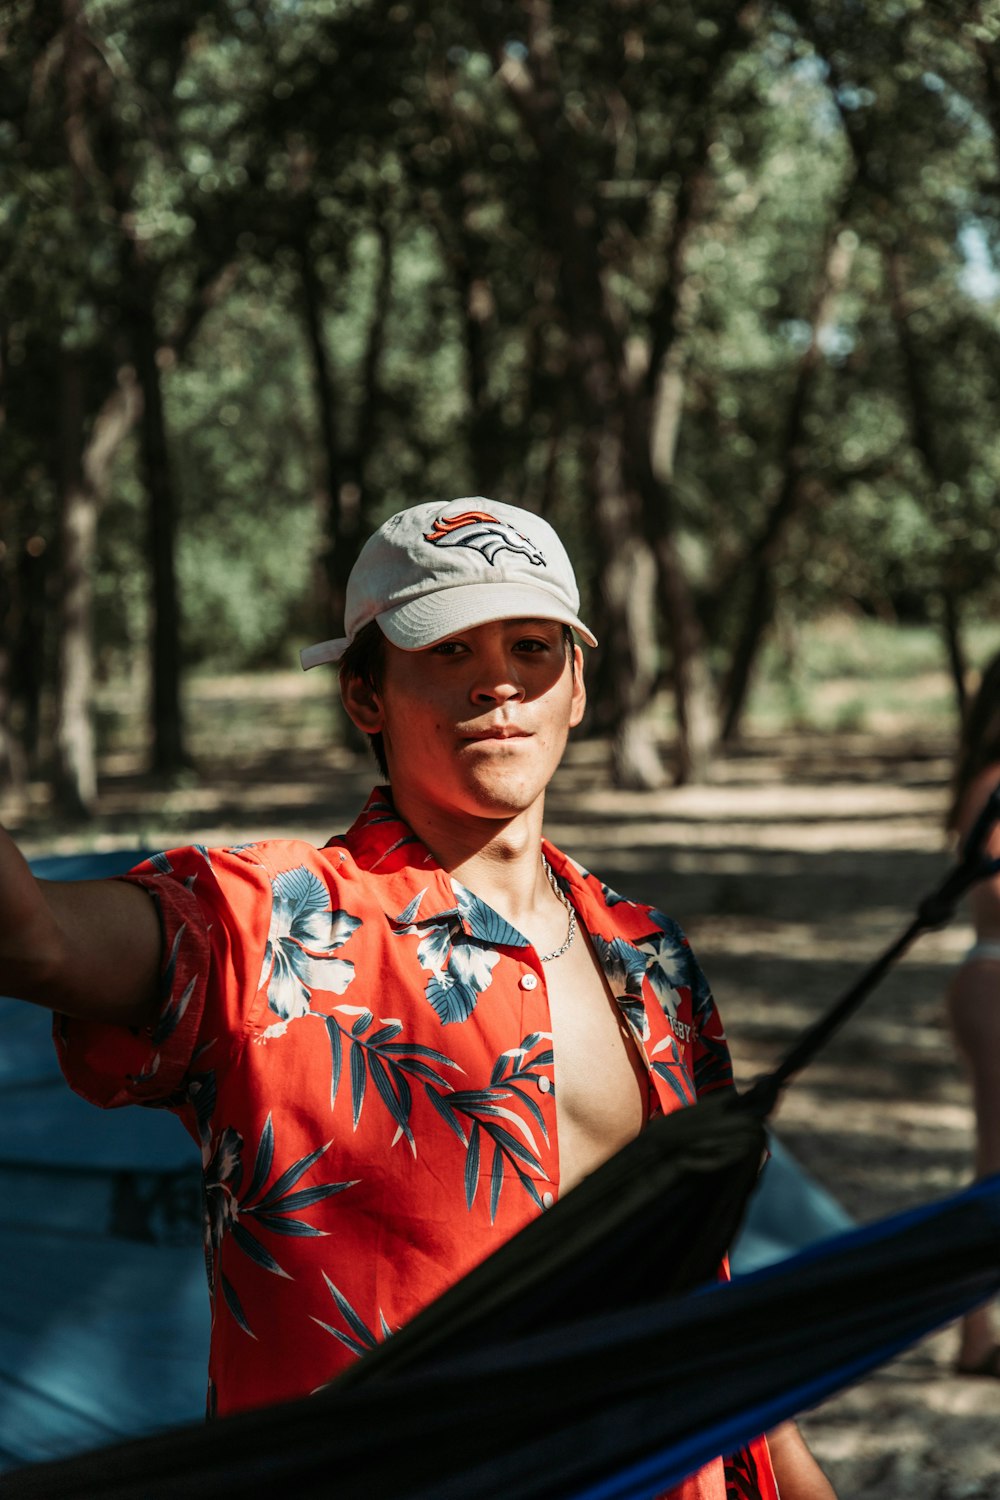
(571, 928)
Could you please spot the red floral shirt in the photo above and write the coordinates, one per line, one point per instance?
(362, 1049)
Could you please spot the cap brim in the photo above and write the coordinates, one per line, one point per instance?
(423, 622)
(314, 656)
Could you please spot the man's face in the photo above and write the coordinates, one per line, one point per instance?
(476, 724)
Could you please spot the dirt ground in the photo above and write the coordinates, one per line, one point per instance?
(792, 870)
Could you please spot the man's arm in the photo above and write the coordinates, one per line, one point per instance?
(798, 1475)
(86, 948)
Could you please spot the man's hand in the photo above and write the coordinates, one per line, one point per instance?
(798, 1475)
(87, 948)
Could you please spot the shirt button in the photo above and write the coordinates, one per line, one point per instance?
(529, 981)
(547, 1200)
(544, 1084)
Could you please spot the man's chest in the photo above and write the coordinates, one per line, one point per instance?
(602, 1076)
(446, 1052)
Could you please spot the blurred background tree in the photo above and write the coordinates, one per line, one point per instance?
(713, 286)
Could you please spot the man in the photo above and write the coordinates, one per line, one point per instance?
(362, 1037)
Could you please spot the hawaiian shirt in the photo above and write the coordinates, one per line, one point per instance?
(362, 1049)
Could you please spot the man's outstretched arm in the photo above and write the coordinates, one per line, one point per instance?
(87, 948)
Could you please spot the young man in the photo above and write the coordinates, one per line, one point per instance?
(395, 1050)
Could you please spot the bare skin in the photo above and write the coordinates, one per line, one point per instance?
(602, 1082)
(974, 1013)
(88, 948)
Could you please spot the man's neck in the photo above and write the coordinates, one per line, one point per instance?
(496, 858)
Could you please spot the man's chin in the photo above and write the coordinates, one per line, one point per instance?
(502, 796)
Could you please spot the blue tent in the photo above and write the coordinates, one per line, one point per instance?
(95, 1210)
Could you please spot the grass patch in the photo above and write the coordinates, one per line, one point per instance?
(844, 674)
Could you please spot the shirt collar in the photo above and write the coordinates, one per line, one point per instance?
(381, 842)
(416, 891)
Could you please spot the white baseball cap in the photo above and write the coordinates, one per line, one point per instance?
(436, 569)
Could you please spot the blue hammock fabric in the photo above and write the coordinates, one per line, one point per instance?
(99, 1207)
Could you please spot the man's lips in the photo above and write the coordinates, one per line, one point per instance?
(496, 732)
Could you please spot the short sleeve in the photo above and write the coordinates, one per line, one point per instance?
(214, 908)
(713, 1068)
(711, 1063)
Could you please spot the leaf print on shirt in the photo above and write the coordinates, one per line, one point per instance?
(668, 963)
(387, 1061)
(713, 1069)
(277, 1208)
(515, 1078)
(173, 1006)
(673, 967)
(702, 1000)
(361, 1338)
(625, 968)
(674, 1071)
(298, 956)
(458, 950)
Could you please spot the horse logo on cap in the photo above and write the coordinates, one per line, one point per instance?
(483, 533)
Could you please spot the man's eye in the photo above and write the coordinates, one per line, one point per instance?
(446, 648)
(531, 645)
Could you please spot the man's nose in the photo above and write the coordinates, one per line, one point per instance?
(496, 680)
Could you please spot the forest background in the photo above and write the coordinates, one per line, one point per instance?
(715, 287)
(712, 286)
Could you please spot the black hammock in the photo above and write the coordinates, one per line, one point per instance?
(552, 1372)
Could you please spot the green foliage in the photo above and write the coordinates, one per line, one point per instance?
(242, 463)
(722, 155)
(848, 674)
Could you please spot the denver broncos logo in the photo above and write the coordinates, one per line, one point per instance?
(483, 533)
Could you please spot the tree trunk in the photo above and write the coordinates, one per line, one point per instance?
(29, 638)
(90, 86)
(764, 553)
(75, 768)
(951, 625)
(85, 469)
(12, 761)
(987, 54)
(658, 415)
(13, 764)
(923, 435)
(656, 442)
(335, 516)
(75, 771)
(366, 434)
(342, 488)
(629, 584)
(697, 730)
(169, 754)
(599, 367)
(11, 752)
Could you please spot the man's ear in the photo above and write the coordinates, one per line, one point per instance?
(363, 704)
(579, 702)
